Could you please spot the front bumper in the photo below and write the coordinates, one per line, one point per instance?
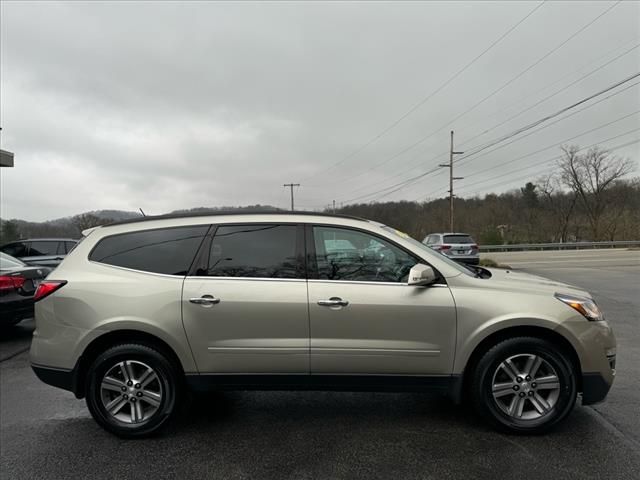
(594, 388)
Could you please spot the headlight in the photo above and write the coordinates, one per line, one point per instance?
(586, 306)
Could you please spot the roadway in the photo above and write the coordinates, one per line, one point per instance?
(47, 433)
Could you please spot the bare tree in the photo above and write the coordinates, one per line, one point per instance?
(87, 220)
(591, 176)
(561, 204)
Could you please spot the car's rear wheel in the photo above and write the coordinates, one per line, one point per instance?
(524, 385)
(132, 390)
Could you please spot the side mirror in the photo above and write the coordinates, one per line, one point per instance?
(421, 275)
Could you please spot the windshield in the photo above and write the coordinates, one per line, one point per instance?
(461, 268)
(7, 261)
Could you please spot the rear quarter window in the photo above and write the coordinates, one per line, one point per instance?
(169, 250)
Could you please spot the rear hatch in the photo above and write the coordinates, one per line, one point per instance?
(459, 245)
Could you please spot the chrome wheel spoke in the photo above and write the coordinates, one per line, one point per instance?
(502, 389)
(535, 367)
(148, 376)
(510, 369)
(113, 384)
(151, 398)
(549, 382)
(539, 403)
(520, 406)
(115, 405)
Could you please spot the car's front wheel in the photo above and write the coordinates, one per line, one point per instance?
(524, 385)
(132, 390)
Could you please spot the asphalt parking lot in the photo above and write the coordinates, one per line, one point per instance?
(47, 433)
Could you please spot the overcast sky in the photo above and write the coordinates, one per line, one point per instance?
(166, 105)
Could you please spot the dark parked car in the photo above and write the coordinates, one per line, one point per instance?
(18, 283)
(47, 252)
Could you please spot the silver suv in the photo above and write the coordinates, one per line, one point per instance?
(457, 246)
(142, 311)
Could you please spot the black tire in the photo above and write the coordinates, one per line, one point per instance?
(168, 383)
(481, 388)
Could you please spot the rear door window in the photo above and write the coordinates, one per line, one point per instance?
(69, 246)
(167, 250)
(255, 251)
(16, 249)
(458, 239)
(43, 248)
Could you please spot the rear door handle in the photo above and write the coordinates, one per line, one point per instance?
(205, 300)
(333, 302)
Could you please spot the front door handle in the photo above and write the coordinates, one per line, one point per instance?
(205, 300)
(333, 302)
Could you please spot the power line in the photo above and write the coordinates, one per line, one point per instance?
(522, 111)
(537, 164)
(553, 146)
(404, 183)
(528, 175)
(435, 92)
(555, 93)
(549, 117)
(503, 86)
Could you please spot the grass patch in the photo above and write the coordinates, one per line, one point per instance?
(491, 263)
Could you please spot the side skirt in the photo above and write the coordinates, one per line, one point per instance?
(448, 384)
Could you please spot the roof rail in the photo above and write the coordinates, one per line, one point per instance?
(226, 213)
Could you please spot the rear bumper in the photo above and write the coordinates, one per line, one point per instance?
(16, 309)
(594, 388)
(57, 377)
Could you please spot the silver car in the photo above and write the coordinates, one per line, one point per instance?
(141, 311)
(460, 247)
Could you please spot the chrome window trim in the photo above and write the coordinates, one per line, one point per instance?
(399, 284)
(107, 265)
(259, 279)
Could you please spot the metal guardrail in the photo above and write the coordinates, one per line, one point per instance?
(559, 246)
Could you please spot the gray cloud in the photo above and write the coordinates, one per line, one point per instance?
(165, 105)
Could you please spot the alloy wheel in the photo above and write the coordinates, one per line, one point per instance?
(525, 387)
(131, 392)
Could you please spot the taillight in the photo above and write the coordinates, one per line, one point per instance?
(47, 287)
(445, 247)
(11, 282)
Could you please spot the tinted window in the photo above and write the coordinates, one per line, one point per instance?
(43, 248)
(264, 251)
(69, 246)
(17, 249)
(169, 251)
(458, 239)
(368, 258)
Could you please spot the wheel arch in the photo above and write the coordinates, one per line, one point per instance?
(109, 339)
(519, 331)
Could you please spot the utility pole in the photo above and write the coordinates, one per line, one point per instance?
(334, 207)
(451, 179)
(291, 185)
